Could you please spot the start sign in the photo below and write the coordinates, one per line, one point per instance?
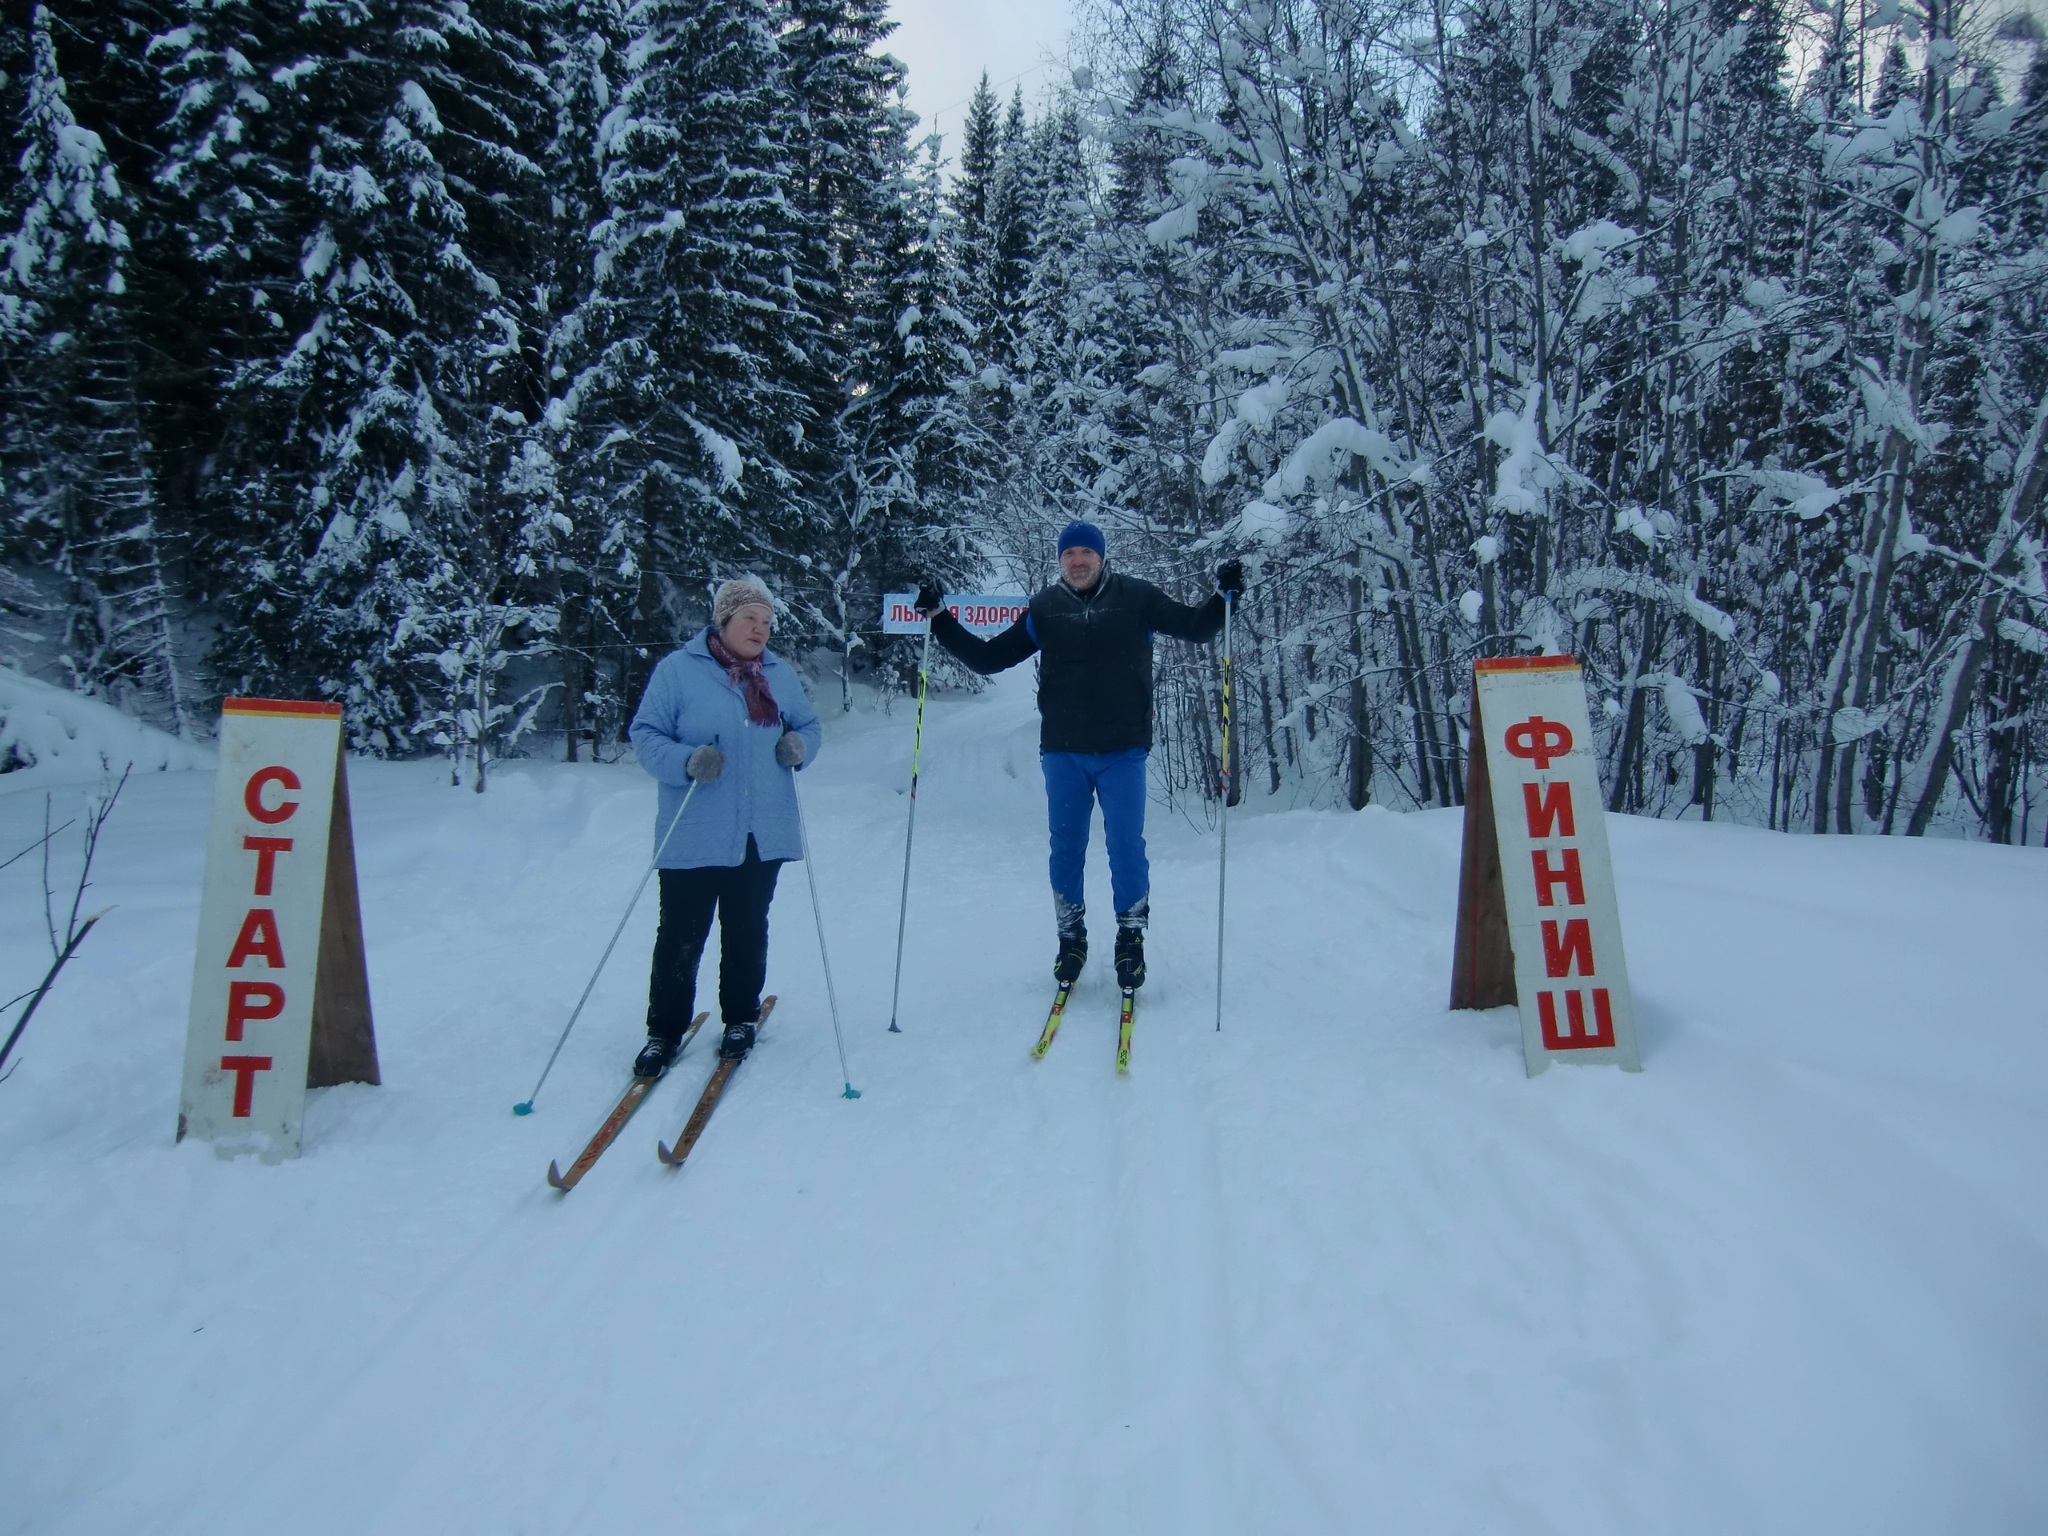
(280, 992)
(983, 614)
(1538, 924)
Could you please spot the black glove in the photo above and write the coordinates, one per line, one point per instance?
(929, 599)
(789, 750)
(1230, 578)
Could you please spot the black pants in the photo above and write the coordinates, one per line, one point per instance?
(740, 896)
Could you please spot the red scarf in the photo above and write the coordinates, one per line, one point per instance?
(750, 679)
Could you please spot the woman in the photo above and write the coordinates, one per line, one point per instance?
(733, 717)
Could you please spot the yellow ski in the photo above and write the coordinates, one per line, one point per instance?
(1052, 1022)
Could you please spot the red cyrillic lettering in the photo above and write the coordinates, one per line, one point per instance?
(251, 1002)
(266, 850)
(1575, 945)
(258, 940)
(252, 795)
(1567, 875)
(245, 1069)
(1575, 1036)
(1550, 810)
(1539, 740)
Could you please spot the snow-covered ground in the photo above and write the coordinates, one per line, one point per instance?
(1339, 1268)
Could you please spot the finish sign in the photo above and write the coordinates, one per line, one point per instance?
(1538, 924)
(982, 614)
(280, 992)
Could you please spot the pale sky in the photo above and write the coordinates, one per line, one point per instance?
(946, 44)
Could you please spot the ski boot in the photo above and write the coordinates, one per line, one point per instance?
(1071, 919)
(654, 1056)
(1130, 957)
(739, 1039)
(1066, 966)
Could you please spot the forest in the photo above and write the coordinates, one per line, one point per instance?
(440, 356)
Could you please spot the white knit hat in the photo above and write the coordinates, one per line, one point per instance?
(740, 592)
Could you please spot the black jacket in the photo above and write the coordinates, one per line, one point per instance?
(1095, 682)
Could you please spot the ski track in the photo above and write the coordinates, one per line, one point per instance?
(1340, 1267)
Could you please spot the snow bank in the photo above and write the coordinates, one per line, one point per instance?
(51, 733)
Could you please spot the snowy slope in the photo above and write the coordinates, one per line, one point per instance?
(1340, 1268)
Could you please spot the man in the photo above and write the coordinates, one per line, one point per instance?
(1094, 629)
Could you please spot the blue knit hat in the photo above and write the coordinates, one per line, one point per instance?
(1082, 535)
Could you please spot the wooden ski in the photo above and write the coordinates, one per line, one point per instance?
(616, 1120)
(708, 1100)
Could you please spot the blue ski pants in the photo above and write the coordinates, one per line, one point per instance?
(1074, 781)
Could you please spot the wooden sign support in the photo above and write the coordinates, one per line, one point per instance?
(280, 987)
(344, 1044)
(1538, 923)
(1482, 959)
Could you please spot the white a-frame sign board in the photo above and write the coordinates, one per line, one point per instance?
(280, 990)
(1538, 924)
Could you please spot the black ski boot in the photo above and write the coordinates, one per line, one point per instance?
(1130, 957)
(654, 1056)
(1066, 966)
(739, 1039)
(1071, 919)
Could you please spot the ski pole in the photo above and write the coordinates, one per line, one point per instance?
(831, 994)
(1223, 818)
(525, 1106)
(924, 672)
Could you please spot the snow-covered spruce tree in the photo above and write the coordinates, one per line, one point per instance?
(684, 413)
(80, 485)
(1061, 325)
(116, 88)
(1035, 223)
(590, 575)
(849, 180)
(381, 564)
(492, 595)
(492, 599)
(1002, 256)
(914, 460)
(229, 178)
(980, 138)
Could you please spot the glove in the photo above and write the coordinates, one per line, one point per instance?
(1230, 578)
(705, 764)
(929, 599)
(789, 751)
